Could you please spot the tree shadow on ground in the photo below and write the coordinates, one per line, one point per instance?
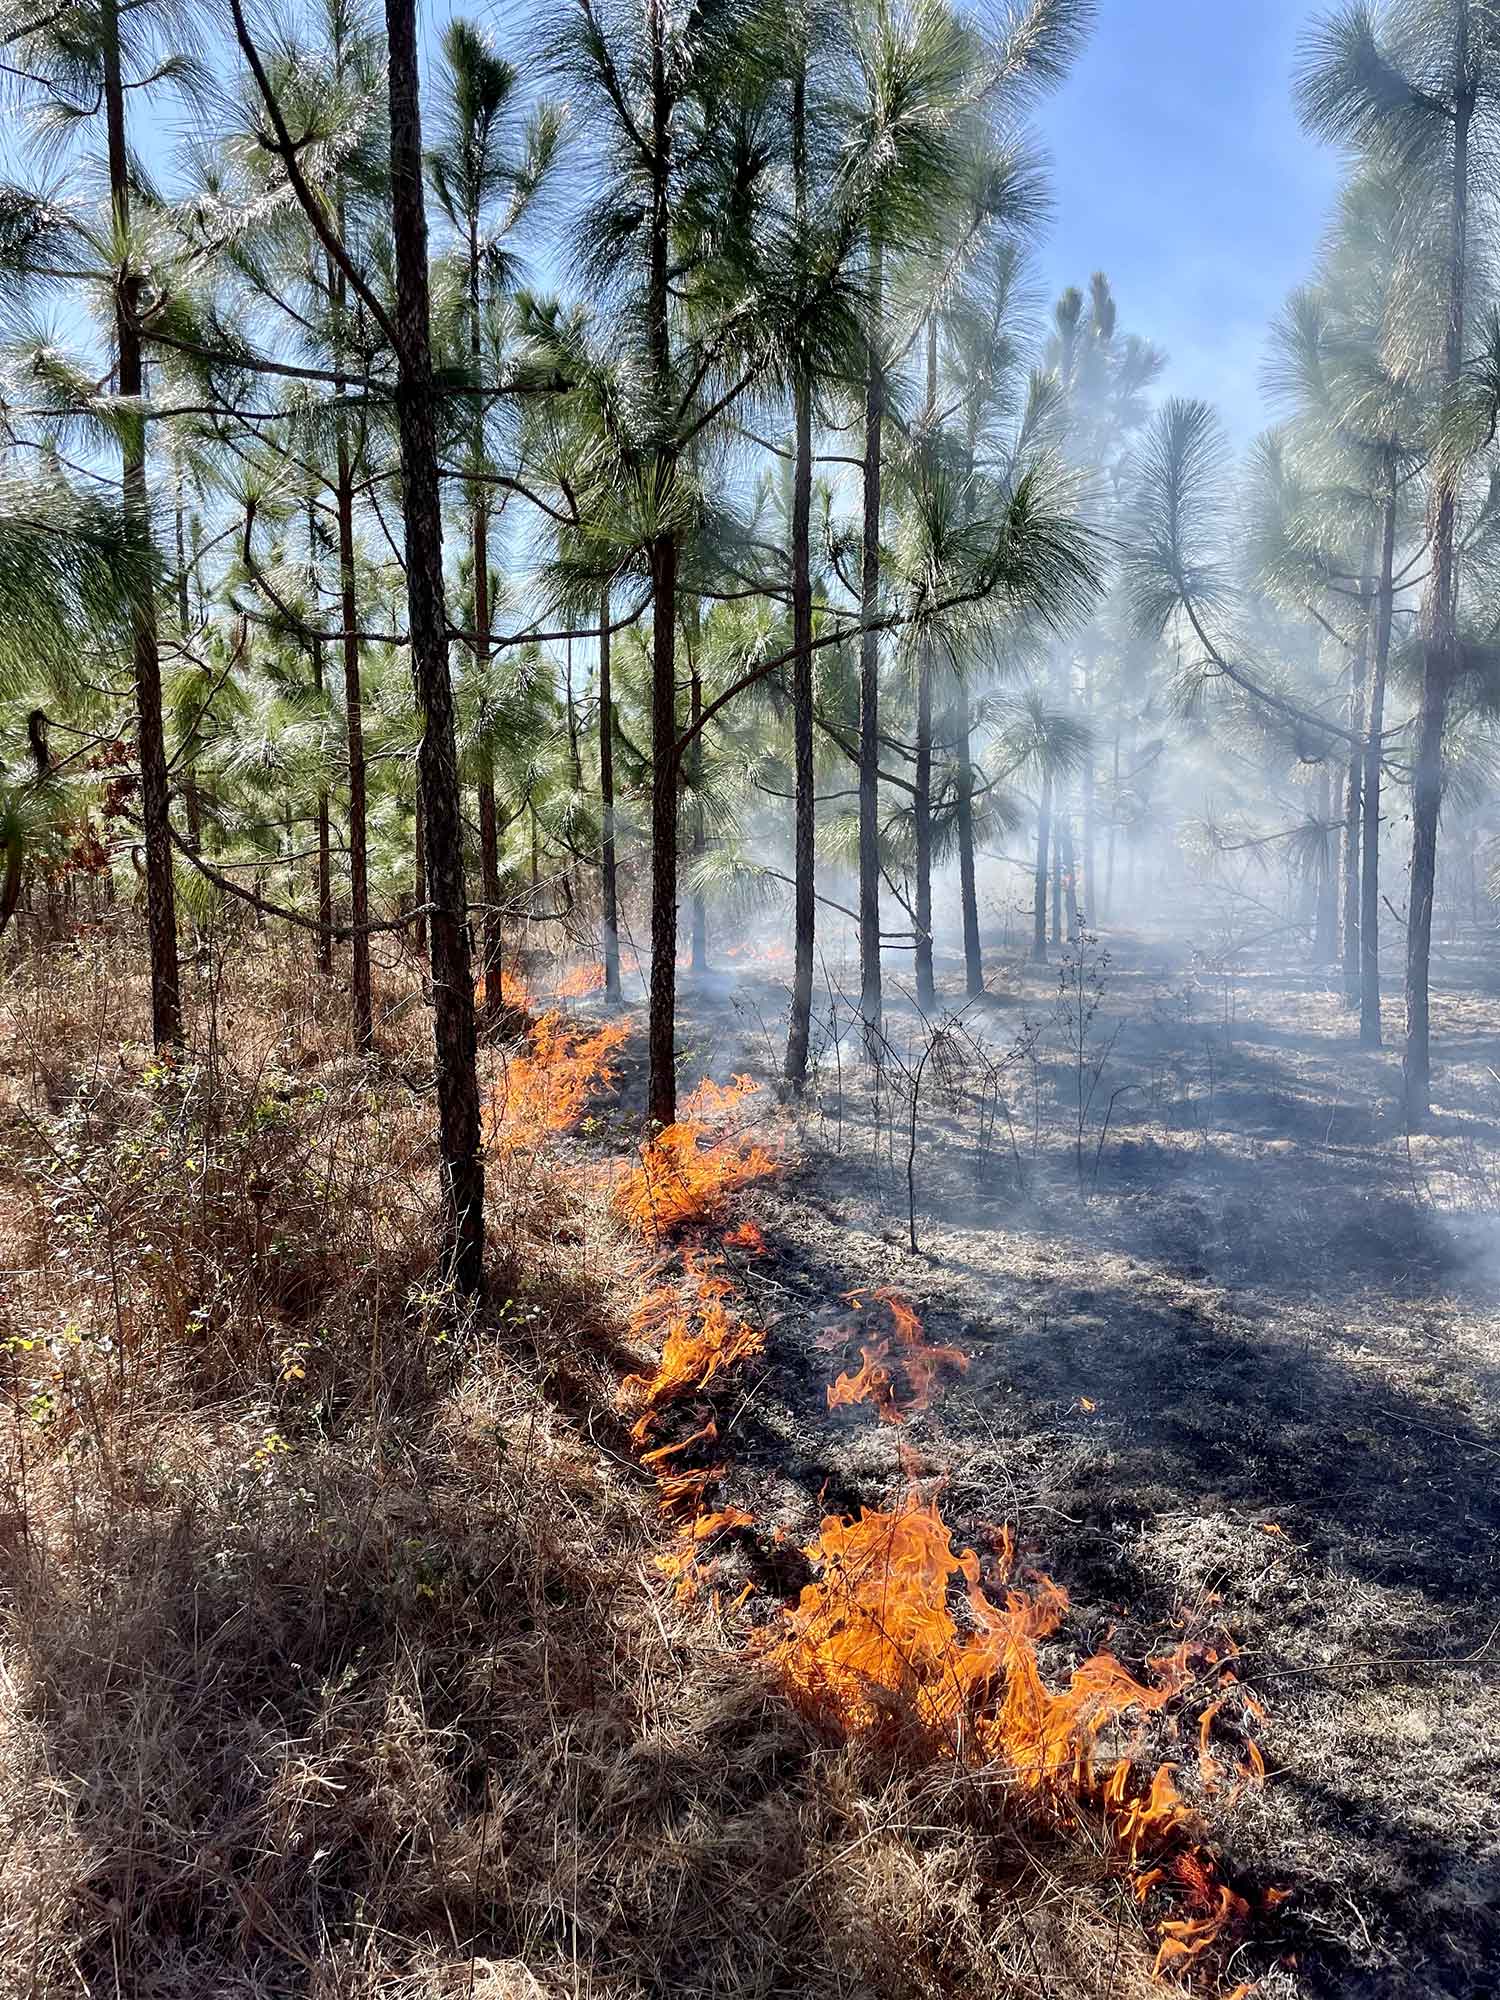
(1228, 1454)
(400, 1707)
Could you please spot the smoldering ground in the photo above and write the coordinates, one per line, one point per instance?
(1234, 1357)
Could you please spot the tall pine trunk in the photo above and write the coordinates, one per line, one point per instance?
(1439, 629)
(151, 749)
(610, 907)
(462, 1169)
(1369, 915)
(661, 1025)
(804, 810)
(325, 847)
(1326, 917)
(361, 1002)
(869, 678)
(968, 894)
(490, 928)
(922, 801)
(1039, 891)
(661, 1102)
(698, 915)
(1354, 783)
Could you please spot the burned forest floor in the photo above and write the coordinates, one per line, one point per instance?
(349, 1651)
(1233, 1362)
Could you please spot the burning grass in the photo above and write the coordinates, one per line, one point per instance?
(580, 981)
(516, 998)
(898, 1372)
(547, 1088)
(897, 1636)
(686, 1171)
(336, 1659)
(701, 1333)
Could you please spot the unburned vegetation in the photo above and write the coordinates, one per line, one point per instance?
(337, 1661)
(608, 1643)
(726, 1268)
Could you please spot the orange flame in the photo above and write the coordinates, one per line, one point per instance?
(680, 1179)
(918, 1360)
(682, 1491)
(580, 982)
(546, 1089)
(683, 1565)
(701, 1335)
(748, 1236)
(708, 1525)
(872, 1384)
(515, 994)
(874, 1640)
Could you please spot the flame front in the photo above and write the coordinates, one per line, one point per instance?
(874, 1643)
(546, 1088)
(684, 1176)
(516, 996)
(580, 982)
(916, 1359)
(700, 1333)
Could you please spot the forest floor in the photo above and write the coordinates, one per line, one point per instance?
(1233, 1362)
(336, 1663)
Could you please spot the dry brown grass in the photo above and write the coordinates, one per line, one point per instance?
(334, 1661)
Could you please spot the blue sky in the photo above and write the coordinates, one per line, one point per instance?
(1179, 168)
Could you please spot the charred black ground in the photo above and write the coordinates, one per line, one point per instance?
(1241, 1367)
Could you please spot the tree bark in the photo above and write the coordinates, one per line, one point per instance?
(1369, 916)
(662, 1009)
(922, 776)
(869, 677)
(1354, 784)
(361, 1002)
(462, 1169)
(10, 883)
(804, 810)
(1326, 920)
(1439, 630)
(698, 915)
(324, 883)
(492, 941)
(325, 855)
(161, 912)
(1039, 895)
(661, 1028)
(967, 891)
(610, 912)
